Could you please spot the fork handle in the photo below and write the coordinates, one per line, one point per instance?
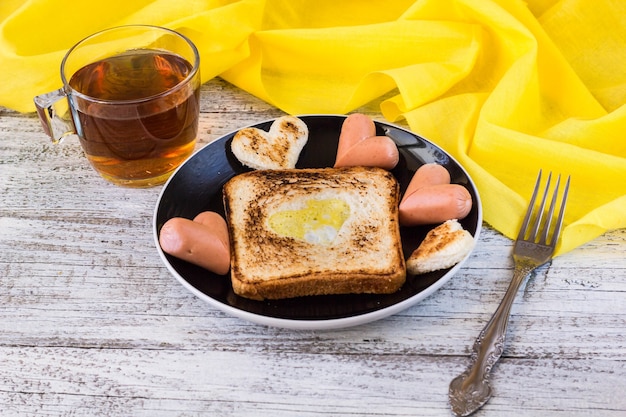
(489, 344)
(471, 390)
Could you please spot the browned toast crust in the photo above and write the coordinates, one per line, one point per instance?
(365, 256)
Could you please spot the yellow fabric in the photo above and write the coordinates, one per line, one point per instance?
(507, 87)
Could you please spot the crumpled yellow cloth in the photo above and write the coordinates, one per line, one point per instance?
(507, 87)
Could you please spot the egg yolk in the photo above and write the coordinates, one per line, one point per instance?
(318, 222)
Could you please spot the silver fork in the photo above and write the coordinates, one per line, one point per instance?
(471, 390)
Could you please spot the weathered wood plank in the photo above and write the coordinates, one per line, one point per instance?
(185, 382)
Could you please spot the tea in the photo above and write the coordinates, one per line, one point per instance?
(138, 121)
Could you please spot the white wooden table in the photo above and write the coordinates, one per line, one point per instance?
(93, 324)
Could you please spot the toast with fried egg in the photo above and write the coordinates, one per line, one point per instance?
(302, 232)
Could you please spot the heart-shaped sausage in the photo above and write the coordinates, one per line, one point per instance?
(427, 175)
(435, 204)
(355, 128)
(358, 145)
(277, 149)
(430, 198)
(377, 151)
(202, 241)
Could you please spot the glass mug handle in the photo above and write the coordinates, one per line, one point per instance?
(55, 115)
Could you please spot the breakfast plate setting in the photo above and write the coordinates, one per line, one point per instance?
(197, 186)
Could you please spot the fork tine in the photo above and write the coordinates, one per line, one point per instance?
(559, 222)
(546, 227)
(541, 223)
(529, 211)
(539, 214)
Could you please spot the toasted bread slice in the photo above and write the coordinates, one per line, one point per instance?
(301, 232)
(443, 247)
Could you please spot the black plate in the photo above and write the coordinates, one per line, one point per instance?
(197, 186)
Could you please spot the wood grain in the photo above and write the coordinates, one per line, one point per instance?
(92, 323)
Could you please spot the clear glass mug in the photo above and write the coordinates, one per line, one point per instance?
(132, 95)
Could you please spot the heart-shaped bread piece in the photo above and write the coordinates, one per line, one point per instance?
(277, 149)
(443, 247)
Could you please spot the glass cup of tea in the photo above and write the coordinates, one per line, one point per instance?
(131, 94)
